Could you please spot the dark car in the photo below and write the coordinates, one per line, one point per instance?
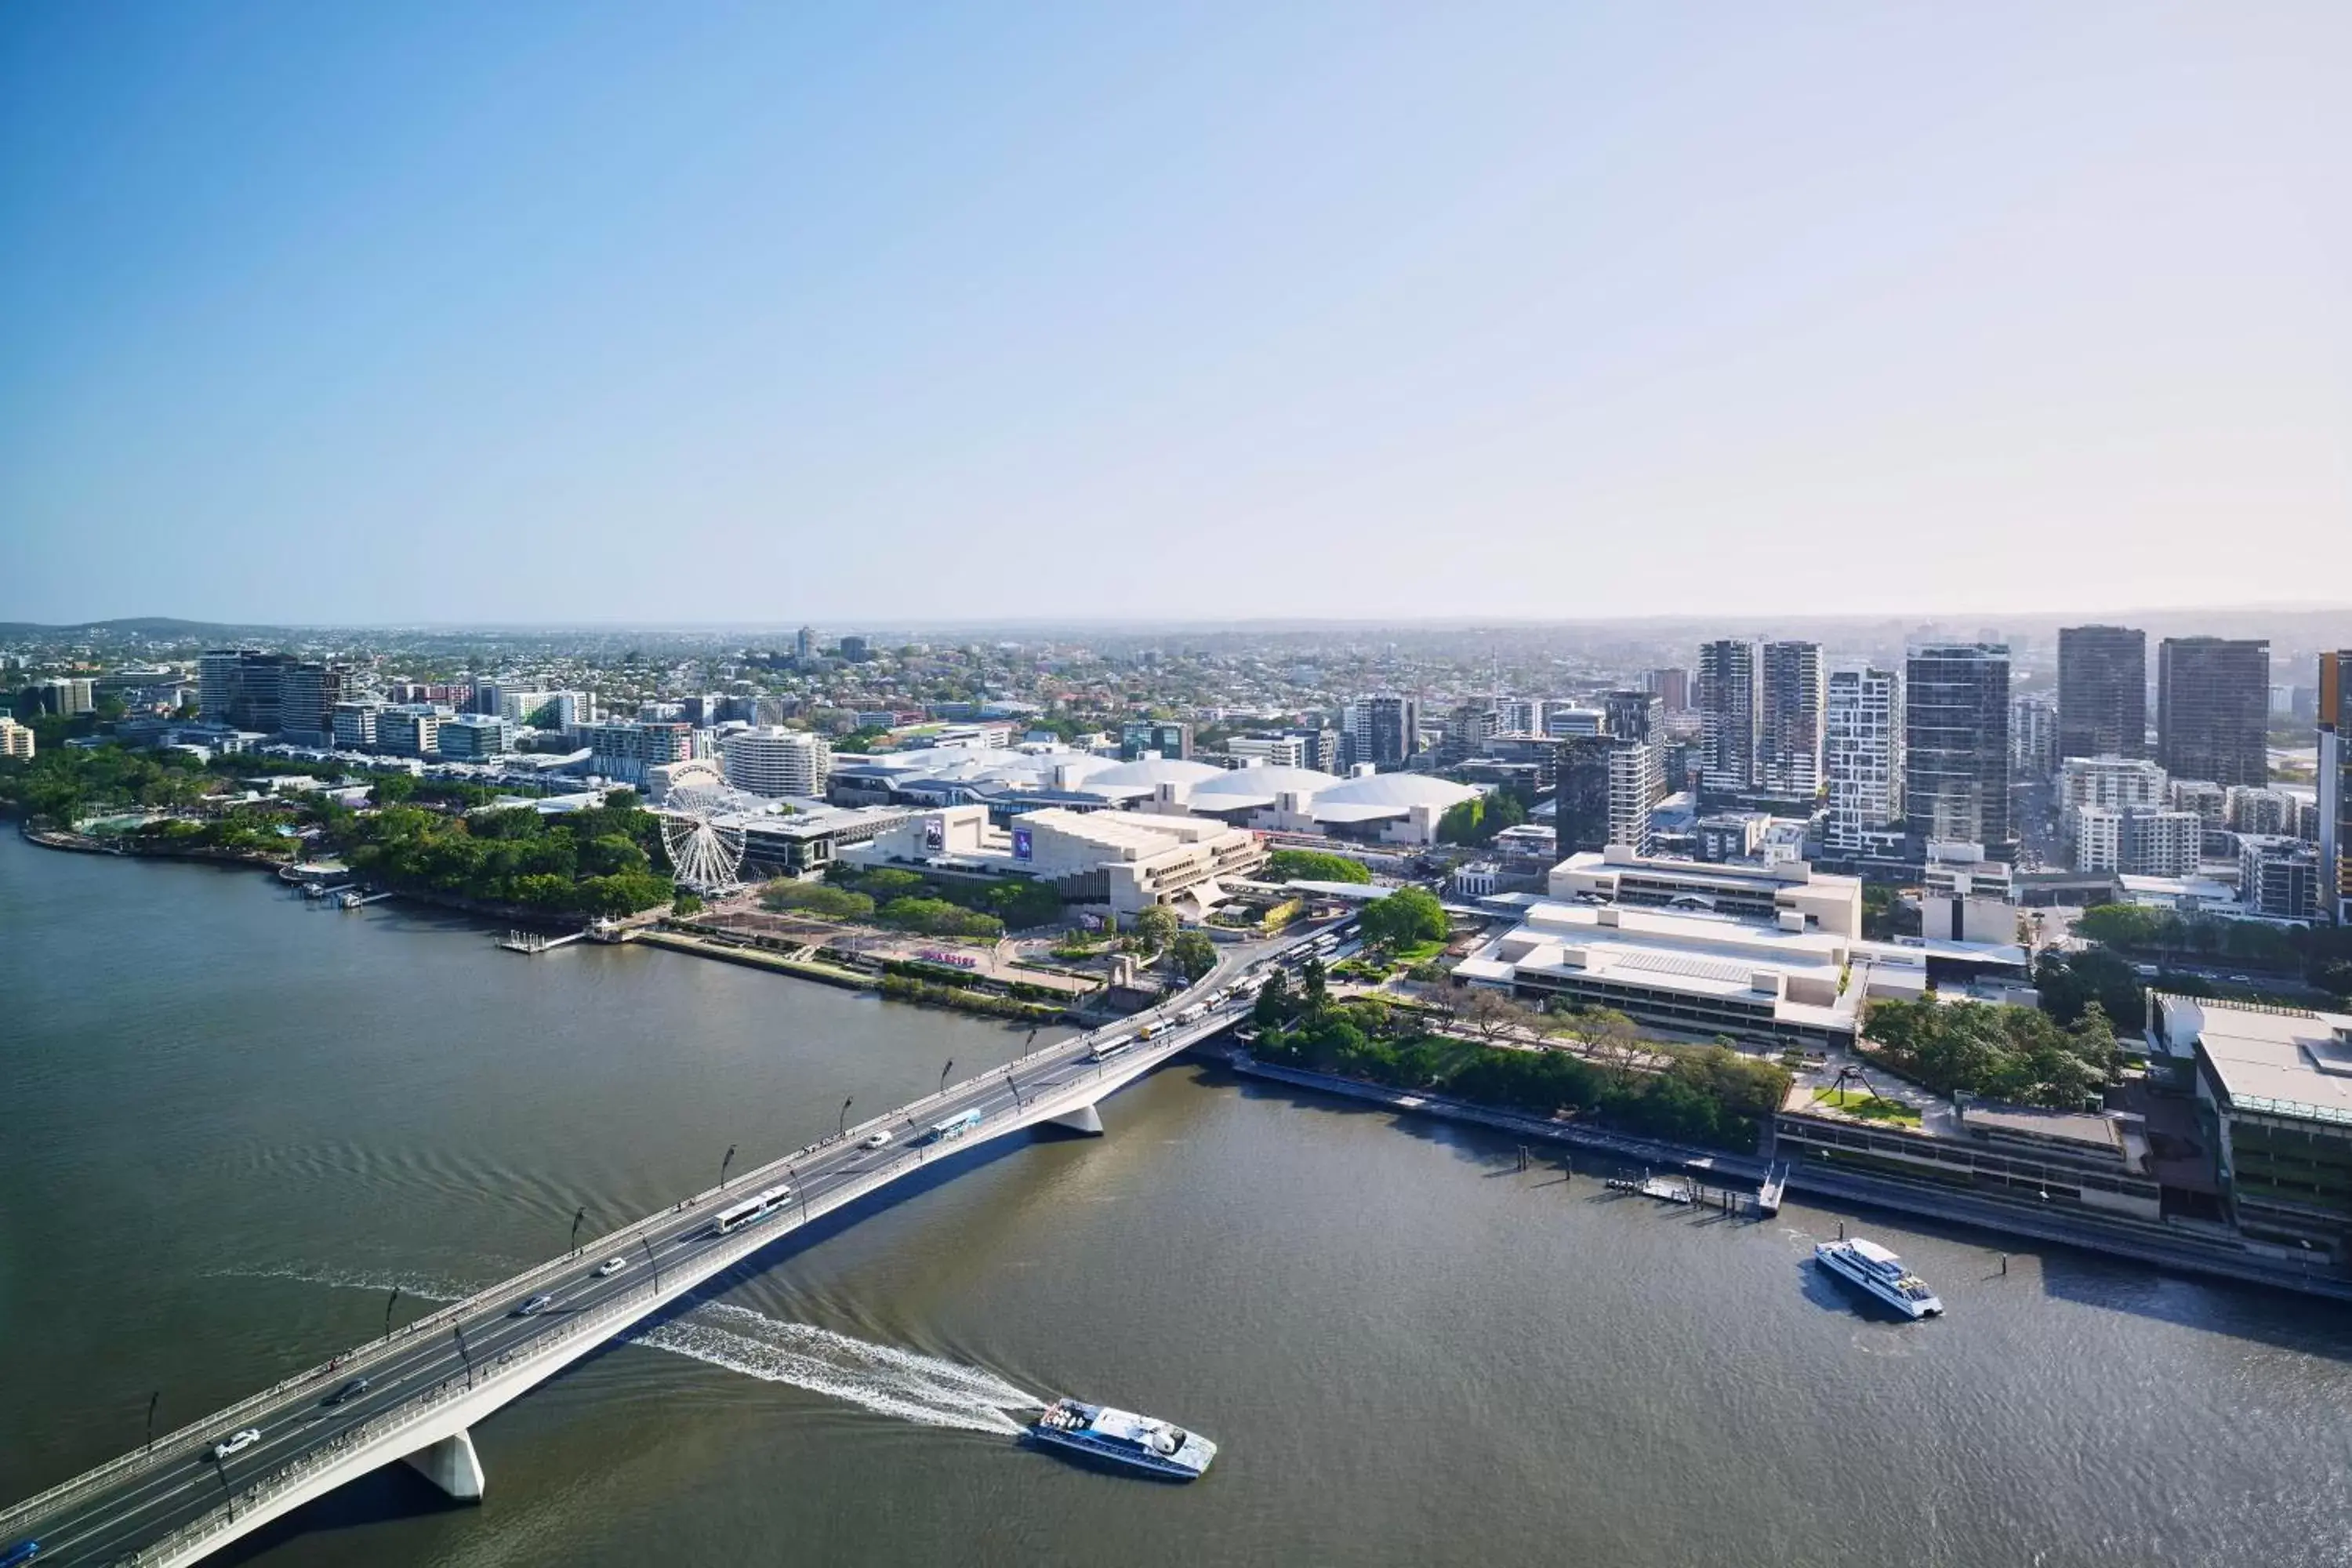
(349, 1390)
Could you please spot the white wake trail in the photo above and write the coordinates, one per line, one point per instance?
(424, 1287)
(891, 1382)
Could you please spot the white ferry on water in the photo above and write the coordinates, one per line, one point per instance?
(1124, 1437)
(1873, 1269)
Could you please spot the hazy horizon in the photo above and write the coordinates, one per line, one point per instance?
(580, 315)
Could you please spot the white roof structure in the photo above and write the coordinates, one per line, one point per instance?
(1376, 795)
(1145, 774)
(1233, 789)
(967, 764)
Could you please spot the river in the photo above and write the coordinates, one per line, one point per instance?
(232, 1123)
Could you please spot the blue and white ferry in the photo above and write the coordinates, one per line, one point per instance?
(1123, 1437)
(1873, 1269)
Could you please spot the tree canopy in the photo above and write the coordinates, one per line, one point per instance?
(1194, 955)
(2017, 1054)
(1314, 865)
(1404, 917)
(1700, 1094)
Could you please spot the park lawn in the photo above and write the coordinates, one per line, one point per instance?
(1867, 1107)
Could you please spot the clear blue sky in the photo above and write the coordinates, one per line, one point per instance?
(520, 312)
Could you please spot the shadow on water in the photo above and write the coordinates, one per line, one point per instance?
(1093, 1465)
(1825, 1290)
(2267, 1314)
(392, 1492)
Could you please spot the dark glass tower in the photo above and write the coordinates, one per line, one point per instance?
(1581, 795)
(1956, 746)
(2102, 691)
(2213, 709)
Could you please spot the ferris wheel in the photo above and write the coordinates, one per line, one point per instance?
(706, 852)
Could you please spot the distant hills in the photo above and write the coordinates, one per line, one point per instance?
(163, 626)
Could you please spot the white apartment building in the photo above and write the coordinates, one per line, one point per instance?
(2162, 843)
(16, 740)
(2033, 735)
(775, 761)
(2096, 833)
(1637, 779)
(2110, 781)
(1862, 756)
(2136, 841)
(1273, 750)
(354, 725)
(625, 751)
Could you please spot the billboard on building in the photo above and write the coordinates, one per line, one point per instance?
(1021, 843)
(935, 834)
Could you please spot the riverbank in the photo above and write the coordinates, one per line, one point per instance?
(84, 844)
(2151, 1244)
(1648, 1151)
(898, 987)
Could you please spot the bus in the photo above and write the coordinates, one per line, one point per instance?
(1156, 1026)
(1198, 1010)
(751, 1210)
(1109, 1048)
(954, 1127)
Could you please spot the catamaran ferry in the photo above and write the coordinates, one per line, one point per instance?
(1126, 1438)
(1880, 1272)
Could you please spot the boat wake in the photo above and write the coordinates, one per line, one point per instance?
(891, 1382)
(422, 1287)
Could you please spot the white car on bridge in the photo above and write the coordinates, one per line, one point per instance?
(238, 1444)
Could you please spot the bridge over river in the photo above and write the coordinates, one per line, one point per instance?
(430, 1381)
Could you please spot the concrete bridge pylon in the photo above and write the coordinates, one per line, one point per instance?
(452, 1465)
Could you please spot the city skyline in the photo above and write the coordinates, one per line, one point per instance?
(686, 315)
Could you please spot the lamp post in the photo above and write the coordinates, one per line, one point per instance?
(576, 1218)
(220, 1468)
(649, 1245)
(842, 1126)
(151, 1418)
(459, 1330)
(722, 1167)
(943, 1074)
(1013, 1087)
(388, 1300)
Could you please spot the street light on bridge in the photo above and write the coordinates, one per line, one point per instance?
(459, 1330)
(723, 1164)
(943, 1074)
(843, 1125)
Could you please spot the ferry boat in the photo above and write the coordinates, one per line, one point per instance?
(1123, 1437)
(1873, 1269)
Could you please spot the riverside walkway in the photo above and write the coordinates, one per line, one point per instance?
(430, 1381)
